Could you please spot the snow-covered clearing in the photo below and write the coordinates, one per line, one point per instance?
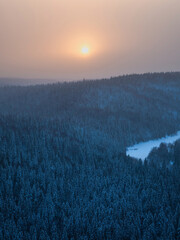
(142, 149)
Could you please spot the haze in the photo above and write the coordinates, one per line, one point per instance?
(45, 38)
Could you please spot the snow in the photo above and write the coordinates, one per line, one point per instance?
(142, 149)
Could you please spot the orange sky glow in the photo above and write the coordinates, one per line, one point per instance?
(45, 38)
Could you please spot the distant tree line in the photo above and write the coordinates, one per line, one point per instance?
(125, 109)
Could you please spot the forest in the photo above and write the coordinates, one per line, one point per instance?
(64, 173)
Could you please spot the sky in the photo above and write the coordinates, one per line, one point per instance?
(46, 38)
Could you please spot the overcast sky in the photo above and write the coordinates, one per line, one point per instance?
(43, 38)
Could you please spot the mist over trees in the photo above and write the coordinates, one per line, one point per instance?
(4, 82)
(63, 168)
(126, 109)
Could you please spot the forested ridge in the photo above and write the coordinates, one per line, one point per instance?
(127, 109)
(63, 168)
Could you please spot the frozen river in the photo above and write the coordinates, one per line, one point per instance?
(142, 149)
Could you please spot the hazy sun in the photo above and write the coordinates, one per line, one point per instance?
(85, 50)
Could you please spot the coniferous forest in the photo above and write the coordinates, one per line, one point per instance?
(64, 173)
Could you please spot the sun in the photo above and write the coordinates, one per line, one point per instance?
(85, 50)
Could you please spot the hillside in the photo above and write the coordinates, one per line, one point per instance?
(125, 109)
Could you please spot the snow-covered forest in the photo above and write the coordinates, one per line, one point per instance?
(63, 168)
